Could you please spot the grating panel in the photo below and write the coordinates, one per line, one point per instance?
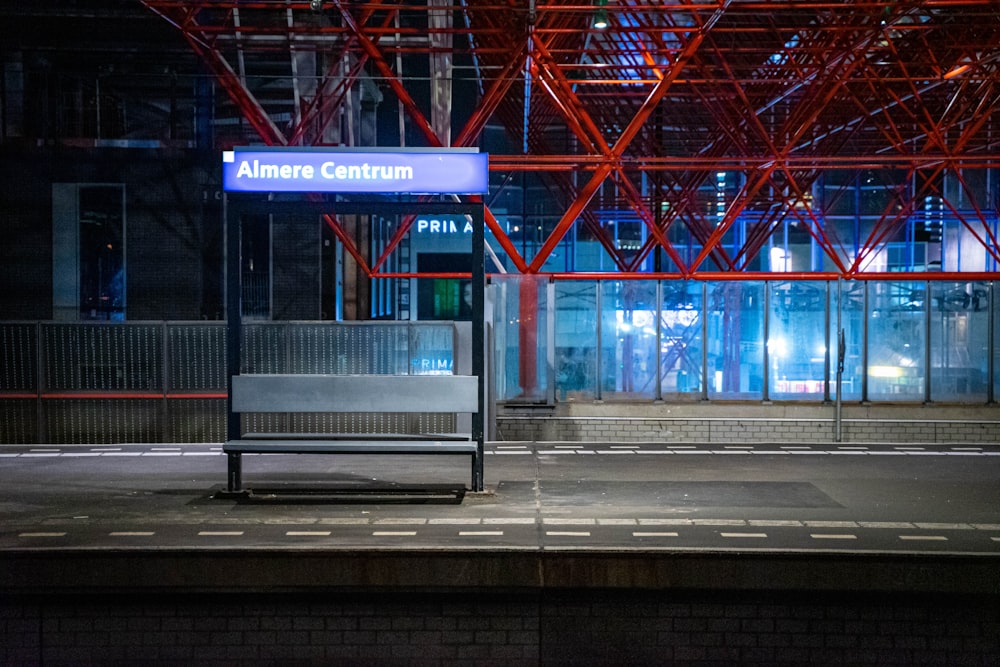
(18, 356)
(83, 357)
(17, 421)
(197, 420)
(197, 356)
(264, 348)
(102, 421)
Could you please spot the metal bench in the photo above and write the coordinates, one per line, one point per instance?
(353, 393)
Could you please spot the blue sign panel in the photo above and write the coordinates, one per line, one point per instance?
(324, 170)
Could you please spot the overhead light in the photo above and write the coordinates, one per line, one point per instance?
(956, 71)
(316, 5)
(600, 15)
(964, 64)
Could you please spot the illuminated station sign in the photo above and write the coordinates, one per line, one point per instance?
(445, 171)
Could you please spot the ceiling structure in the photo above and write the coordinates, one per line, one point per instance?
(711, 124)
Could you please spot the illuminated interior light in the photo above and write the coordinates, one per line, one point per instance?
(600, 15)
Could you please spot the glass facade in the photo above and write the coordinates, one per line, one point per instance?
(643, 340)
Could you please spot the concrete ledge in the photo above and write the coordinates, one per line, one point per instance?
(33, 572)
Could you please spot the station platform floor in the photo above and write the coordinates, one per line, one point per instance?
(836, 517)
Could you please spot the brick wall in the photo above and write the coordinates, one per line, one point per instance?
(489, 628)
(745, 430)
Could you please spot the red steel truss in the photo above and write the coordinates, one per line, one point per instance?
(786, 97)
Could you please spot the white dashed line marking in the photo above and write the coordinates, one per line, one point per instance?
(220, 533)
(995, 539)
(307, 533)
(132, 533)
(42, 535)
(737, 535)
(924, 538)
(830, 524)
(653, 534)
(832, 536)
(886, 524)
(567, 533)
(774, 523)
(394, 533)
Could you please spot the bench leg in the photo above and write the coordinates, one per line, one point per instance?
(235, 478)
(477, 474)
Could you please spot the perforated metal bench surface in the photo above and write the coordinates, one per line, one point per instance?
(351, 393)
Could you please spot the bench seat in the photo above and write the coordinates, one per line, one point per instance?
(308, 446)
(283, 393)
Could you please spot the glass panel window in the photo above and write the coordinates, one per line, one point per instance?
(680, 338)
(576, 340)
(959, 348)
(735, 340)
(628, 339)
(521, 314)
(851, 296)
(796, 346)
(896, 339)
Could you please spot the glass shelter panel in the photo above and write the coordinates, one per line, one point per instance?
(797, 340)
(628, 339)
(681, 344)
(959, 341)
(897, 313)
(849, 306)
(521, 341)
(735, 313)
(576, 340)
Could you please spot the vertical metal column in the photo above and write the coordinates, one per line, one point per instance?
(766, 380)
(704, 341)
(927, 342)
(550, 343)
(41, 432)
(658, 387)
(864, 344)
(478, 338)
(826, 342)
(234, 320)
(600, 351)
(991, 344)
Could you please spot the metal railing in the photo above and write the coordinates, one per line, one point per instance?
(76, 382)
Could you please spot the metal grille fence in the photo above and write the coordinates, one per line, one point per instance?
(106, 383)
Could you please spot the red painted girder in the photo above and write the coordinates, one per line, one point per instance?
(533, 162)
(588, 191)
(468, 136)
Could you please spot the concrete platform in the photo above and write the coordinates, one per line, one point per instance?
(897, 518)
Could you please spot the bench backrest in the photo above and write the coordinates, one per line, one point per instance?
(355, 393)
